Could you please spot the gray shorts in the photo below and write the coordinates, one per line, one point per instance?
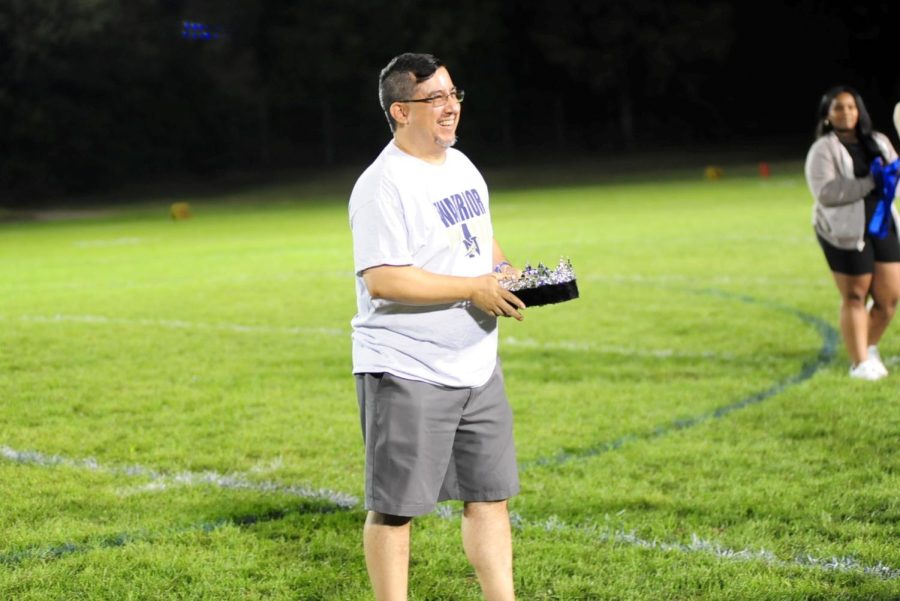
(427, 443)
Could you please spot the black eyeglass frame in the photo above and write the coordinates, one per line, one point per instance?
(457, 93)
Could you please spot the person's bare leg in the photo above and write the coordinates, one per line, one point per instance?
(487, 541)
(386, 544)
(854, 317)
(885, 293)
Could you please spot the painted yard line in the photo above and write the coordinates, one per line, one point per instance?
(176, 324)
(245, 278)
(802, 240)
(161, 480)
(169, 282)
(825, 355)
(571, 345)
(337, 501)
(703, 281)
(566, 345)
(604, 534)
(108, 242)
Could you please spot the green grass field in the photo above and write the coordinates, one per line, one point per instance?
(178, 419)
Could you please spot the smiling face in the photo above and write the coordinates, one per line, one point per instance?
(843, 113)
(424, 130)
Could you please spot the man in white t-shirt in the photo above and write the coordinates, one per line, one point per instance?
(433, 408)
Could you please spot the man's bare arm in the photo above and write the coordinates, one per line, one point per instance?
(412, 285)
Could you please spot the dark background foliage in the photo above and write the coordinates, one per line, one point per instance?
(96, 94)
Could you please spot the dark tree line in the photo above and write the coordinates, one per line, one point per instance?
(96, 93)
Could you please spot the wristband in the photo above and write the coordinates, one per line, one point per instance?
(498, 268)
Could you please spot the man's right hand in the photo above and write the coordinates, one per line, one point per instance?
(489, 296)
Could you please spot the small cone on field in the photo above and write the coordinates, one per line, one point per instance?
(179, 211)
(713, 172)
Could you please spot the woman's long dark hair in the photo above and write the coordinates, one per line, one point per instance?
(863, 124)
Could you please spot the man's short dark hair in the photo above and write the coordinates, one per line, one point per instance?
(398, 80)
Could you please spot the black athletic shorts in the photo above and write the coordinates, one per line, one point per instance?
(859, 262)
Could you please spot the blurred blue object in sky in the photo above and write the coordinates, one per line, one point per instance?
(194, 30)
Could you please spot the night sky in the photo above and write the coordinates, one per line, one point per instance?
(786, 54)
(115, 94)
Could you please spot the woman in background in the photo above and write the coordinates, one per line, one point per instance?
(838, 172)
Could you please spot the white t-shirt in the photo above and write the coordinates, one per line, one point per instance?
(406, 211)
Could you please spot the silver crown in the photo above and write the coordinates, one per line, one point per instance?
(534, 277)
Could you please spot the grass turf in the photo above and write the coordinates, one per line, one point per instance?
(184, 391)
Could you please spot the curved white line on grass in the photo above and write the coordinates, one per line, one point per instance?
(108, 242)
(176, 324)
(159, 480)
(703, 281)
(759, 238)
(346, 501)
(571, 345)
(566, 345)
(605, 534)
(231, 278)
(824, 356)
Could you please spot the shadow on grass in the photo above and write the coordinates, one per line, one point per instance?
(123, 539)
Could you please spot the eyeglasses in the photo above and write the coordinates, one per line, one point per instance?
(439, 99)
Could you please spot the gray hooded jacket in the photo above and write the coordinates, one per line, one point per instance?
(839, 213)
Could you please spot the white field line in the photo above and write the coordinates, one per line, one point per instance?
(566, 345)
(108, 242)
(804, 240)
(571, 345)
(606, 534)
(230, 278)
(176, 324)
(161, 481)
(600, 533)
(705, 282)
